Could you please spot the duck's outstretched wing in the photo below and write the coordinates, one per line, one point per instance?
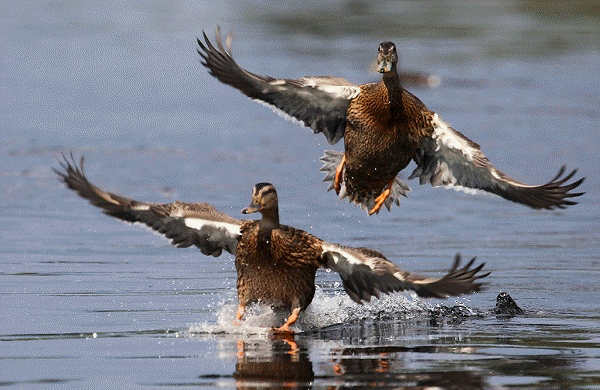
(449, 158)
(316, 102)
(185, 224)
(366, 273)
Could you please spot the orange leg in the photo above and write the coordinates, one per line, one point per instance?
(240, 313)
(382, 197)
(285, 328)
(337, 180)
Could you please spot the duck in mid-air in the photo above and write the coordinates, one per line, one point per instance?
(276, 264)
(384, 127)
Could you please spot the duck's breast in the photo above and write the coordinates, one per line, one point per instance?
(279, 271)
(379, 140)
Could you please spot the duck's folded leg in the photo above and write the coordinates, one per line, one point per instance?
(240, 313)
(285, 328)
(337, 180)
(380, 200)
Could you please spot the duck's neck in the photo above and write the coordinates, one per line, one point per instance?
(391, 80)
(269, 220)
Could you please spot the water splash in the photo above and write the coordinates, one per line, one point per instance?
(258, 321)
(326, 309)
(339, 308)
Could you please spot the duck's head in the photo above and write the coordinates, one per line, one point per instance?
(387, 57)
(264, 200)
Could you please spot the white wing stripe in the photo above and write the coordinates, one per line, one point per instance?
(282, 113)
(139, 207)
(198, 224)
(344, 261)
(446, 137)
(344, 92)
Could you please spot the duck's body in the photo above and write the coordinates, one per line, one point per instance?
(384, 128)
(276, 264)
(379, 142)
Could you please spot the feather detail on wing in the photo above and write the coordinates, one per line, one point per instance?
(449, 158)
(185, 224)
(366, 273)
(316, 102)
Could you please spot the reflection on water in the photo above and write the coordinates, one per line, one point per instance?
(384, 366)
(277, 362)
(409, 354)
(280, 362)
(487, 350)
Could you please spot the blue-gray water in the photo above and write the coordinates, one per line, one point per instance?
(89, 302)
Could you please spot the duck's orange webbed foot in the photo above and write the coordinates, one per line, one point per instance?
(380, 200)
(337, 180)
(285, 328)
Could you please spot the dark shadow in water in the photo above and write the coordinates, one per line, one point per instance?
(276, 363)
(285, 363)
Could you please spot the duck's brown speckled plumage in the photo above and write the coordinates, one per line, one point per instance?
(378, 141)
(384, 128)
(276, 264)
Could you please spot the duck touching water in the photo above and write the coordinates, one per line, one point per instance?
(384, 127)
(276, 264)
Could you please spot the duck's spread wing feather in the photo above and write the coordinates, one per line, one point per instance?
(316, 102)
(366, 273)
(185, 224)
(449, 158)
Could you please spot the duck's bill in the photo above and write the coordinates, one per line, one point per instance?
(384, 66)
(250, 209)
